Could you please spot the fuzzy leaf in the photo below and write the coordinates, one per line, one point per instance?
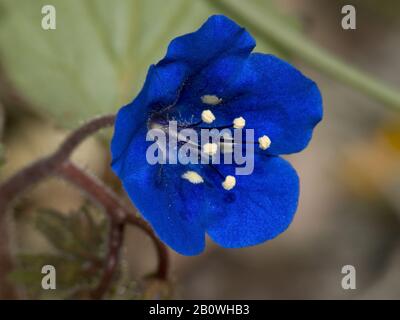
(96, 58)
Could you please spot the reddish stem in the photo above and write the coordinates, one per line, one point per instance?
(119, 214)
(115, 240)
(58, 163)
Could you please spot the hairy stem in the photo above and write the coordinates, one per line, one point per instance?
(119, 214)
(42, 168)
(115, 241)
(58, 164)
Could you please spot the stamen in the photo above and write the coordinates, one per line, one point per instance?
(193, 177)
(226, 147)
(207, 116)
(227, 144)
(227, 136)
(211, 99)
(219, 128)
(210, 148)
(239, 123)
(229, 183)
(264, 142)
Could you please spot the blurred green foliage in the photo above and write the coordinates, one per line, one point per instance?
(79, 246)
(94, 62)
(96, 59)
(78, 250)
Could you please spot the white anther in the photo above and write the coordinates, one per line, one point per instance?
(264, 142)
(211, 99)
(229, 183)
(193, 177)
(239, 123)
(207, 116)
(226, 145)
(210, 148)
(227, 136)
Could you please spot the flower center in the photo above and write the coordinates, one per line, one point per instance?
(224, 144)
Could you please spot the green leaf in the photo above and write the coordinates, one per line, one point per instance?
(79, 239)
(77, 234)
(97, 57)
(71, 274)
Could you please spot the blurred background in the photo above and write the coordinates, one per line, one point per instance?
(95, 61)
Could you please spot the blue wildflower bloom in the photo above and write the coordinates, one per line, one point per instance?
(211, 79)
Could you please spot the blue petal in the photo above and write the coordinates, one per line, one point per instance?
(163, 199)
(275, 99)
(260, 207)
(282, 103)
(166, 201)
(218, 36)
(160, 89)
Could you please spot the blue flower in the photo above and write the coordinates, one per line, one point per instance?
(211, 79)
